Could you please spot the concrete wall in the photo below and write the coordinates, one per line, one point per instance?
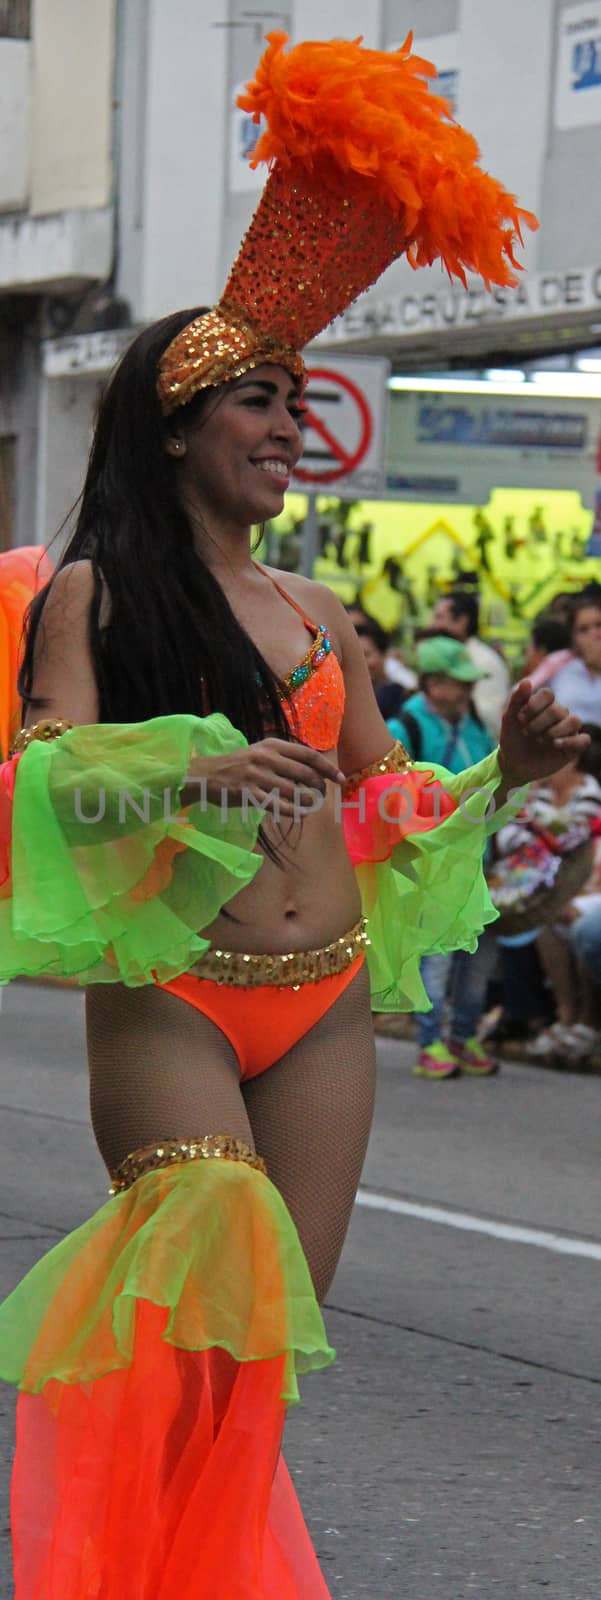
(172, 153)
(71, 137)
(56, 93)
(66, 415)
(344, 19)
(15, 117)
(571, 193)
(19, 396)
(506, 55)
(56, 134)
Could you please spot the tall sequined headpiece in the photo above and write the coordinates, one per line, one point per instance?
(366, 165)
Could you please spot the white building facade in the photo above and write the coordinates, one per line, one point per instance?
(124, 193)
(56, 225)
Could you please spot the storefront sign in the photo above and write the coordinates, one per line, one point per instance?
(84, 353)
(578, 82)
(542, 294)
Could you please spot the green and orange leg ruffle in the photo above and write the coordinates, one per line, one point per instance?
(156, 1349)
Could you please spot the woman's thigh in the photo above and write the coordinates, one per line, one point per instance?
(158, 1070)
(311, 1115)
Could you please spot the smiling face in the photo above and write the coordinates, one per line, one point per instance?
(237, 457)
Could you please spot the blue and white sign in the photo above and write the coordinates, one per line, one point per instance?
(458, 447)
(244, 133)
(578, 83)
(488, 426)
(442, 49)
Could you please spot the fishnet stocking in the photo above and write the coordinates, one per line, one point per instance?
(159, 1068)
(311, 1115)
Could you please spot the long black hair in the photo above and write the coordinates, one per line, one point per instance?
(172, 642)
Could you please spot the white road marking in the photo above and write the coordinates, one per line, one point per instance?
(511, 1232)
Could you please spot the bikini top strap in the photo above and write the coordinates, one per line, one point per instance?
(312, 626)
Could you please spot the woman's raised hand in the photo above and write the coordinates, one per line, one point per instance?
(538, 736)
(283, 776)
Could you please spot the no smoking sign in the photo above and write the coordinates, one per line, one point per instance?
(344, 428)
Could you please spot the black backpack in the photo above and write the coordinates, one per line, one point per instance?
(415, 734)
(391, 699)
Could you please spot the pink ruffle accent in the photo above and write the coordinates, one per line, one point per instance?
(390, 807)
(8, 773)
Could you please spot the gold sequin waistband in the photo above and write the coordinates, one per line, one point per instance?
(279, 972)
(176, 1152)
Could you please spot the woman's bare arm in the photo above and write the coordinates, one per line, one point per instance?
(364, 737)
(64, 680)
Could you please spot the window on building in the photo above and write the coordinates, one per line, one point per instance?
(15, 19)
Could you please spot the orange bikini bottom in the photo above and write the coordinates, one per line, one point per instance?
(263, 1021)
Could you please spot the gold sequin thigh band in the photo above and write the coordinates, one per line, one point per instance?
(280, 971)
(177, 1152)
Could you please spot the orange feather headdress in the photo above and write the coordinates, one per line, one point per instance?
(365, 165)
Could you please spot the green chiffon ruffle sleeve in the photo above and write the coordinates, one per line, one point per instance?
(110, 879)
(431, 896)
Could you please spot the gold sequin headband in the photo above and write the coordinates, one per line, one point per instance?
(366, 165)
(215, 348)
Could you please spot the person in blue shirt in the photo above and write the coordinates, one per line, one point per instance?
(439, 724)
(579, 681)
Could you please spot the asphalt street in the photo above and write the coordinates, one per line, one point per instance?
(455, 1448)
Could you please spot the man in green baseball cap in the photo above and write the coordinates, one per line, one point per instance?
(439, 724)
(441, 654)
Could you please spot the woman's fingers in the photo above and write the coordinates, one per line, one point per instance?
(543, 716)
(520, 695)
(279, 762)
(314, 760)
(533, 706)
(549, 721)
(286, 776)
(566, 726)
(574, 743)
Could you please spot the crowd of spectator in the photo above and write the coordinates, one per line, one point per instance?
(533, 987)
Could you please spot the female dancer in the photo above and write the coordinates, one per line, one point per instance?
(185, 821)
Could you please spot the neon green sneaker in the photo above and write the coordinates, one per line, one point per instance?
(436, 1061)
(472, 1057)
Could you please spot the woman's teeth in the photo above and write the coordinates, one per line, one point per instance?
(278, 467)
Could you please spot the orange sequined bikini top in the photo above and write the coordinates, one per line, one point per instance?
(316, 685)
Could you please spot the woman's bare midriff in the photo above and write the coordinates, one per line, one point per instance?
(301, 902)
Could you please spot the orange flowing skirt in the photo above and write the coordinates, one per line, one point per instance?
(151, 1411)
